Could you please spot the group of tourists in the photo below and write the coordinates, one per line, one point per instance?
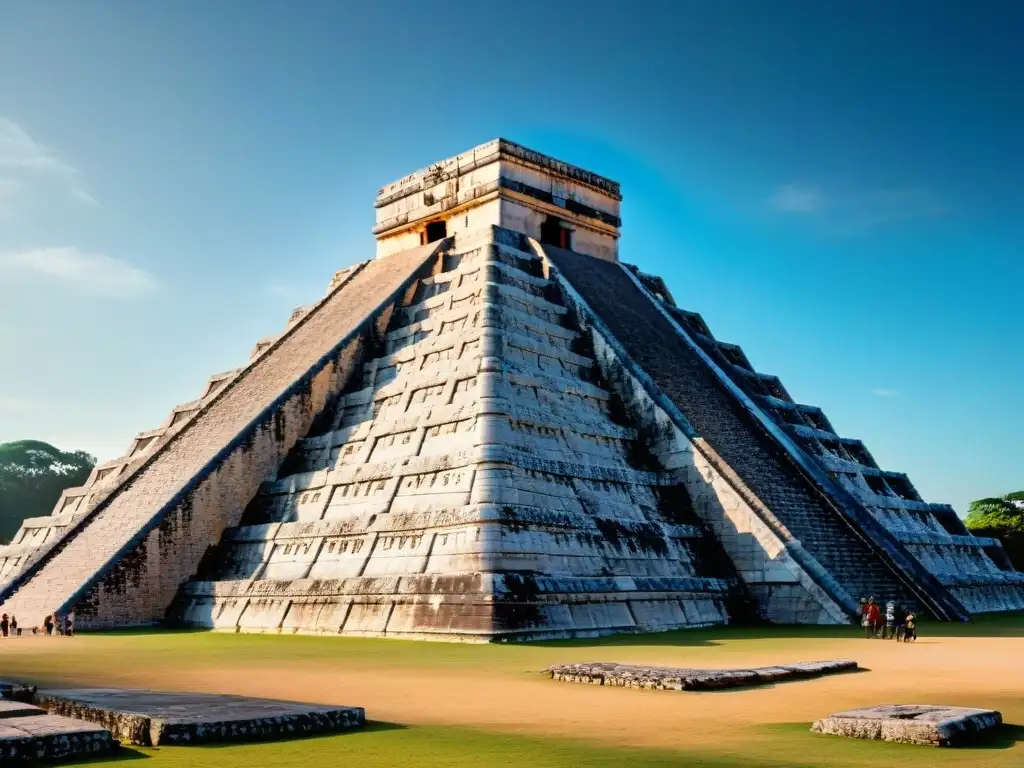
(896, 623)
(62, 625)
(9, 625)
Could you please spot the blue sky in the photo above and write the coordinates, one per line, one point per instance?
(836, 189)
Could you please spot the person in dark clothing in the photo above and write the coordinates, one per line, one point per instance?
(48, 625)
(14, 626)
(910, 631)
(5, 625)
(901, 623)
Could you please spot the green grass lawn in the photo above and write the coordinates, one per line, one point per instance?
(381, 745)
(64, 661)
(705, 647)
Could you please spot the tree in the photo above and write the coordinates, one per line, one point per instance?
(1001, 518)
(32, 476)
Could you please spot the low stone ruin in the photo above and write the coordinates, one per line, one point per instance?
(155, 718)
(28, 733)
(927, 725)
(683, 679)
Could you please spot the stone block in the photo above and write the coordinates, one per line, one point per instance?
(929, 725)
(153, 718)
(17, 691)
(684, 679)
(52, 738)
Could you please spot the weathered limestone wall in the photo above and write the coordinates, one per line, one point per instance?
(518, 216)
(763, 554)
(474, 487)
(973, 569)
(142, 584)
(531, 186)
(124, 554)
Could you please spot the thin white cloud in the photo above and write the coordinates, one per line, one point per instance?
(850, 212)
(91, 273)
(796, 198)
(85, 197)
(23, 159)
(883, 392)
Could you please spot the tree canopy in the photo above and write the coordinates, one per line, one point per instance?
(1002, 518)
(32, 476)
(999, 513)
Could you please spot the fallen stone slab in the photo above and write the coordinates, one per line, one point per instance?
(18, 709)
(685, 679)
(928, 725)
(17, 691)
(52, 738)
(152, 718)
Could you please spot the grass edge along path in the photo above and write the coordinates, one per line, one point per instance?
(380, 745)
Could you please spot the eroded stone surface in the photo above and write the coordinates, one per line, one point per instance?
(18, 709)
(152, 718)
(52, 738)
(682, 679)
(928, 725)
(17, 691)
(487, 437)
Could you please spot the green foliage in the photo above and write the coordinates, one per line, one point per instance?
(1000, 518)
(32, 476)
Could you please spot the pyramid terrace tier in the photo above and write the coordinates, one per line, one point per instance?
(488, 438)
(834, 530)
(976, 570)
(479, 449)
(122, 562)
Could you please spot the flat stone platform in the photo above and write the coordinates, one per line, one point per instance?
(929, 725)
(28, 734)
(17, 691)
(683, 679)
(153, 718)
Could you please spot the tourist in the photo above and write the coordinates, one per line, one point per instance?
(890, 621)
(48, 625)
(70, 631)
(864, 616)
(910, 630)
(14, 626)
(901, 622)
(5, 625)
(874, 618)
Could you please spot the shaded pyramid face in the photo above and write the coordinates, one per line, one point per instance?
(495, 430)
(476, 479)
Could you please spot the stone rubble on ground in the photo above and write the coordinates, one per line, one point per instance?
(28, 733)
(928, 725)
(682, 679)
(155, 718)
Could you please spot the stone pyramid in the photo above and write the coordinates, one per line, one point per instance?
(495, 430)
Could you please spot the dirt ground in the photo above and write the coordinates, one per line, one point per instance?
(510, 696)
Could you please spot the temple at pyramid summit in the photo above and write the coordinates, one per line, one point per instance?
(496, 429)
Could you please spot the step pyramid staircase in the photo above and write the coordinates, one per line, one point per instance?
(495, 430)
